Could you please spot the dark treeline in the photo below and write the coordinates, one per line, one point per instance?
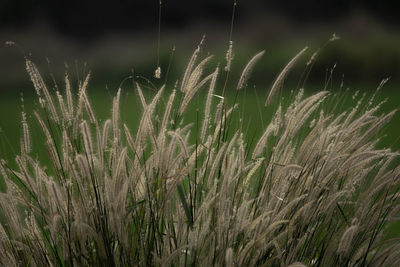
(87, 18)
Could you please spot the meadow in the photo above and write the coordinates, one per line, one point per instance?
(250, 101)
(200, 173)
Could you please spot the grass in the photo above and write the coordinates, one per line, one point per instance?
(249, 100)
(193, 181)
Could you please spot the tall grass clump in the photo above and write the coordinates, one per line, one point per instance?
(312, 190)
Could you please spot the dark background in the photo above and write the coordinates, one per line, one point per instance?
(113, 37)
(85, 19)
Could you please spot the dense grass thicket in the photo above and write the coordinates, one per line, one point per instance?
(311, 190)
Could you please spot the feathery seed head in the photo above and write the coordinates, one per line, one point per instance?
(229, 56)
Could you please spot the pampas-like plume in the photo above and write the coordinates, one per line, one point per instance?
(207, 108)
(272, 128)
(281, 77)
(229, 56)
(188, 70)
(81, 102)
(25, 130)
(229, 257)
(167, 113)
(346, 240)
(68, 92)
(191, 93)
(247, 70)
(196, 74)
(41, 89)
(297, 264)
(115, 115)
(87, 139)
(64, 111)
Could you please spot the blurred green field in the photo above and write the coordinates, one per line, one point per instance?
(251, 114)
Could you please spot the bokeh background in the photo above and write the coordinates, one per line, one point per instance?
(115, 38)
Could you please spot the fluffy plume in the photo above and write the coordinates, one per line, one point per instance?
(247, 70)
(281, 77)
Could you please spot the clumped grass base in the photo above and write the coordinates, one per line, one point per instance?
(311, 190)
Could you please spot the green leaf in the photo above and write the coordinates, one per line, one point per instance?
(185, 205)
